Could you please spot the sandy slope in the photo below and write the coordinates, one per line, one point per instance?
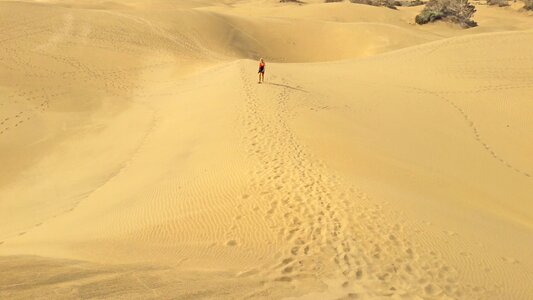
(140, 158)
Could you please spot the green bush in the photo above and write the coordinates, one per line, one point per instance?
(454, 11)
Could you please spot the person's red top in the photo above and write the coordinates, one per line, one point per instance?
(261, 65)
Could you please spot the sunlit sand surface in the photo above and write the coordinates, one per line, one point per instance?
(380, 159)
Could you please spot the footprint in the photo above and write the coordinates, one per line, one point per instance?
(248, 273)
(432, 289)
(231, 243)
(450, 233)
(510, 260)
(287, 270)
(358, 274)
(284, 279)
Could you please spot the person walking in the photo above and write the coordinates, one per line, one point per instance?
(261, 71)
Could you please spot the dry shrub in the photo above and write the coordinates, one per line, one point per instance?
(292, 1)
(387, 3)
(528, 4)
(454, 11)
(415, 3)
(499, 3)
(411, 3)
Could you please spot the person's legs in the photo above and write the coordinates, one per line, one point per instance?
(263, 77)
(259, 78)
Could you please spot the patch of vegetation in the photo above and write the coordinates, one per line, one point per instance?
(292, 1)
(331, 1)
(387, 3)
(454, 11)
(500, 3)
(528, 4)
(412, 3)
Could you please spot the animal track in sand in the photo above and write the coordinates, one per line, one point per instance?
(478, 138)
(34, 101)
(469, 121)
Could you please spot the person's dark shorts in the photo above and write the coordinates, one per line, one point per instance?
(261, 70)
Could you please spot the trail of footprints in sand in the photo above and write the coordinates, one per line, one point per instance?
(478, 138)
(115, 81)
(325, 230)
(469, 121)
(37, 100)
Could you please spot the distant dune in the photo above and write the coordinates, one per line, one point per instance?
(380, 159)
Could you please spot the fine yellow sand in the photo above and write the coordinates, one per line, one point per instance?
(381, 159)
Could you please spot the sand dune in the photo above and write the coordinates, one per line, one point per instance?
(380, 159)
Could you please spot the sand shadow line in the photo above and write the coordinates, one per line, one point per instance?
(287, 86)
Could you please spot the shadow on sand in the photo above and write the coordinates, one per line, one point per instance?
(286, 86)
